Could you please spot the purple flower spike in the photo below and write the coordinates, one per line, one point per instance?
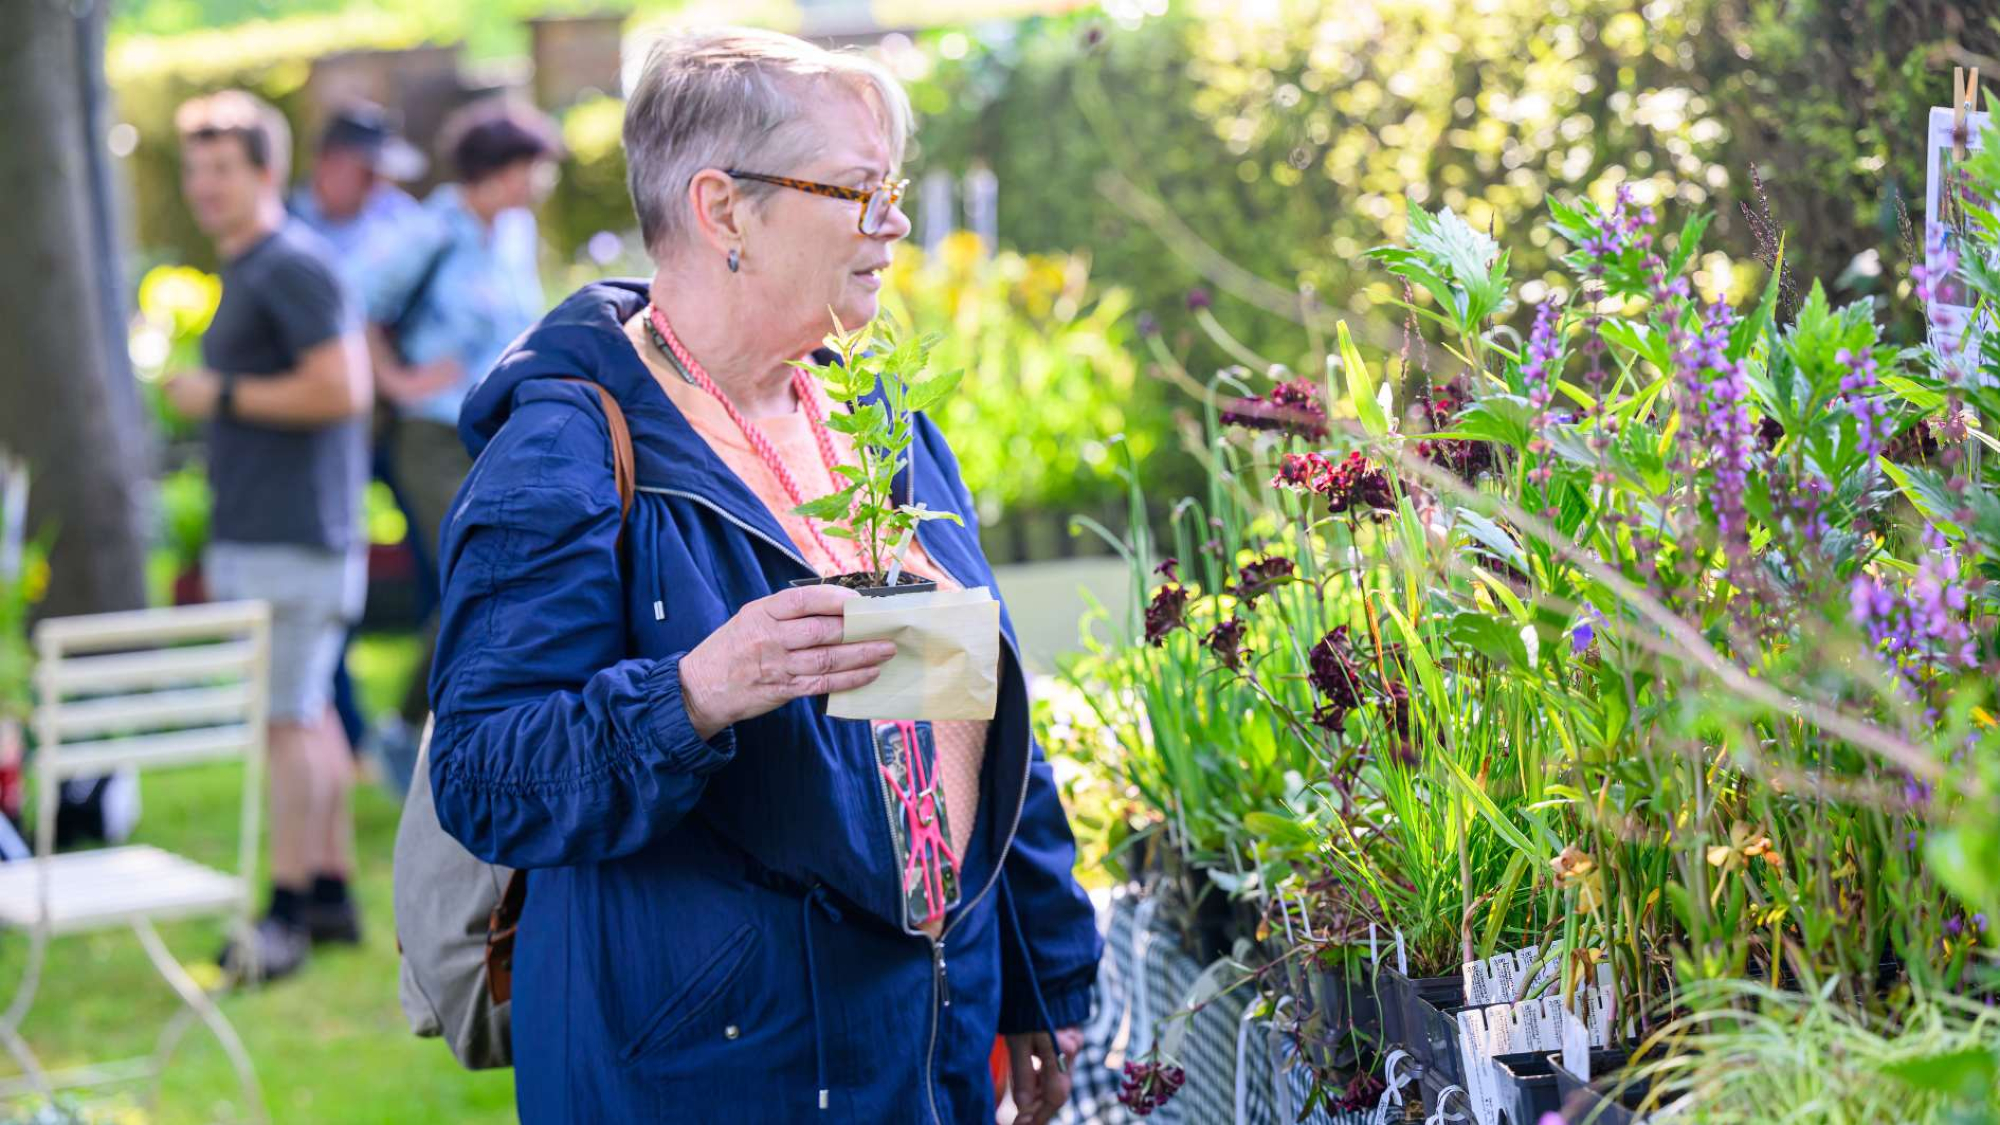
(1872, 424)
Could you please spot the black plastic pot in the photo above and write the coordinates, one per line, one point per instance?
(1412, 1018)
(1526, 1085)
(908, 584)
(1343, 1014)
(1604, 1100)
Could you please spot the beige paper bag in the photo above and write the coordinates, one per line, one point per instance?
(947, 662)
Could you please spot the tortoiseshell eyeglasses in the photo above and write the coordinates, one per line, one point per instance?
(876, 202)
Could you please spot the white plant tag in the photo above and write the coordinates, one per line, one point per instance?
(1528, 1033)
(1575, 1045)
(1474, 1052)
(1501, 966)
(1402, 954)
(1949, 321)
(1478, 984)
(1372, 959)
(1524, 971)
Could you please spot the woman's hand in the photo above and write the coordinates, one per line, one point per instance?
(775, 650)
(1039, 1073)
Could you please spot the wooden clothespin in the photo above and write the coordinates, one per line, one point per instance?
(1964, 95)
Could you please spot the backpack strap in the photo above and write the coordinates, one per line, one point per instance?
(505, 920)
(622, 467)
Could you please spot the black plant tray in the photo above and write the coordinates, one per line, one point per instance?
(1526, 1085)
(1604, 1100)
(1350, 1021)
(1413, 1018)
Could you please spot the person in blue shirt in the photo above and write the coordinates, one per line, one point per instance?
(350, 198)
(444, 305)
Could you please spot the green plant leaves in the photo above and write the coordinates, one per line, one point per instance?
(1360, 384)
(833, 506)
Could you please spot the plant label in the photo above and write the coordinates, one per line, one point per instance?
(1575, 1045)
(1530, 1030)
(1949, 320)
(1501, 968)
(1478, 983)
(1402, 954)
(1475, 1050)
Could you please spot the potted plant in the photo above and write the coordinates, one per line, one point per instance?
(948, 641)
(882, 391)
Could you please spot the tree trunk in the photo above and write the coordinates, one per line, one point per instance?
(65, 402)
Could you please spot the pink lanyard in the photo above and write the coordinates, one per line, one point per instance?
(759, 444)
(929, 851)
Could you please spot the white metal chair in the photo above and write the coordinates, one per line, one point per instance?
(152, 688)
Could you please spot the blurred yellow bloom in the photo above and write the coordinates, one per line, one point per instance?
(180, 297)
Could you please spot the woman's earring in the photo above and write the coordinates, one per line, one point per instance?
(735, 260)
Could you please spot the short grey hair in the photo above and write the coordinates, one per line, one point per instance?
(734, 98)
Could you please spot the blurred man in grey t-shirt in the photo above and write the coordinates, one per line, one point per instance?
(285, 389)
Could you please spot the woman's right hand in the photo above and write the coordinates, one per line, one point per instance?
(775, 650)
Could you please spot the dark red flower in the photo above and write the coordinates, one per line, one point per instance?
(1355, 484)
(1769, 430)
(1334, 676)
(1226, 641)
(1166, 613)
(1291, 407)
(1198, 298)
(1463, 457)
(1150, 1085)
(1302, 472)
(1261, 577)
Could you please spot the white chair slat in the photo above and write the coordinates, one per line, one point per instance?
(152, 670)
(91, 889)
(87, 759)
(152, 710)
(100, 632)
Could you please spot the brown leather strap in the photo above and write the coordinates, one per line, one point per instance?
(505, 920)
(500, 929)
(622, 468)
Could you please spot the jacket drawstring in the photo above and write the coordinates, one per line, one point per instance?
(816, 897)
(1034, 983)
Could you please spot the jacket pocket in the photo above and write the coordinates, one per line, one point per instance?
(703, 988)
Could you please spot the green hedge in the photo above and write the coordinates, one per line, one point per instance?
(1289, 141)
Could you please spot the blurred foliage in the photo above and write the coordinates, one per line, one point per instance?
(1050, 374)
(185, 505)
(1285, 138)
(490, 28)
(24, 578)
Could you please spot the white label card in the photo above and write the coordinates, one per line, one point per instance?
(1949, 321)
(1575, 1045)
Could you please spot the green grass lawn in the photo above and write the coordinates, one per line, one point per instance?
(330, 1044)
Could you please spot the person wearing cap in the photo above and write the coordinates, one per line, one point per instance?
(442, 308)
(350, 198)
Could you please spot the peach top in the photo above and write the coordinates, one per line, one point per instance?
(961, 745)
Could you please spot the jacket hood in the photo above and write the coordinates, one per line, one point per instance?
(584, 337)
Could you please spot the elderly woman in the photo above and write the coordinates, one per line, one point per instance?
(627, 705)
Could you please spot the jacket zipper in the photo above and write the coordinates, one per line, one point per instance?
(940, 986)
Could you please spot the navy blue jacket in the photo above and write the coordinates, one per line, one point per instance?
(712, 929)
